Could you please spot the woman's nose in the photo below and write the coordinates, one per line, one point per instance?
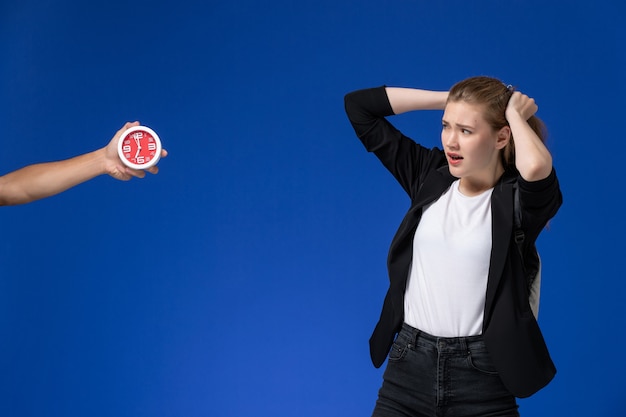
(450, 139)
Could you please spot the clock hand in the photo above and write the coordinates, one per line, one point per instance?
(138, 142)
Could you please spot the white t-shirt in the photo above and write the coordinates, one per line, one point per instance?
(447, 284)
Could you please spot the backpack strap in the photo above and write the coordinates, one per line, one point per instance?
(534, 275)
(519, 233)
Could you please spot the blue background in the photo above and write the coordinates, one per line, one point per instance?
(246, 277)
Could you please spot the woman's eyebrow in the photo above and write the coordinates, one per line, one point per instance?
(461, 125)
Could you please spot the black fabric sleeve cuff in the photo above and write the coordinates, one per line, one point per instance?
(540, 185)
(362, 105)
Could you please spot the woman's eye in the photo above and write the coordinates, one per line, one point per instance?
(466, 132)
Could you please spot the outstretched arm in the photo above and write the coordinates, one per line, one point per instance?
(43, 180)
(532, 158)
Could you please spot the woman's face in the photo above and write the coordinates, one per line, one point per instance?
(471, 145)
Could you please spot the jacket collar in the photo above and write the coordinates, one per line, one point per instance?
(435, 183)
(438, 181)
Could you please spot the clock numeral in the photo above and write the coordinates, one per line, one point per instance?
(141, 160)
(137, 135)
(152, 146)
(126, 148)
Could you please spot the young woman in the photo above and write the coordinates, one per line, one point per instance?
(456, 323)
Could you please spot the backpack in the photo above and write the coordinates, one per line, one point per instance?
(532, 265)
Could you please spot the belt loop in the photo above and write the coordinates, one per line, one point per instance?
(465, 344)
(416, 335)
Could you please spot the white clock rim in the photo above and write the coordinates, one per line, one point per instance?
(148, 164)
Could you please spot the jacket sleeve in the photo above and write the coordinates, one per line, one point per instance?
(540, 201)
(406, 160)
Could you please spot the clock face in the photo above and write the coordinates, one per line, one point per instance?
(139, 147)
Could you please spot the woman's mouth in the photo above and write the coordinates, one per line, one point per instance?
(454, 159)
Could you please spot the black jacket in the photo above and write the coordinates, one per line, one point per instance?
(510, 330)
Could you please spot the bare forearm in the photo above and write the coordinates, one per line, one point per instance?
(403, 100)
(532, 158)
(43, 180)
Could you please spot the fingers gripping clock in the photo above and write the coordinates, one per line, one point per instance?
(139, 147)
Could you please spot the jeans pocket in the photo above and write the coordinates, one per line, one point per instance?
(398, 349)
(481, 361)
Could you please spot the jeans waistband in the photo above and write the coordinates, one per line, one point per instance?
(448, 344)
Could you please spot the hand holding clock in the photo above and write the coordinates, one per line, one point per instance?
(37, 181)
(115, 167)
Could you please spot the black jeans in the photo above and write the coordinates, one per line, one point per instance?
(440, 376)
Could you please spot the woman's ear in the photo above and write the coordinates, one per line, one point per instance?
(504, 136)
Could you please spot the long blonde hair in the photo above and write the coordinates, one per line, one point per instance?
(494, 96)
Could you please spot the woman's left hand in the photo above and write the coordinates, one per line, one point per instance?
(522, 105)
